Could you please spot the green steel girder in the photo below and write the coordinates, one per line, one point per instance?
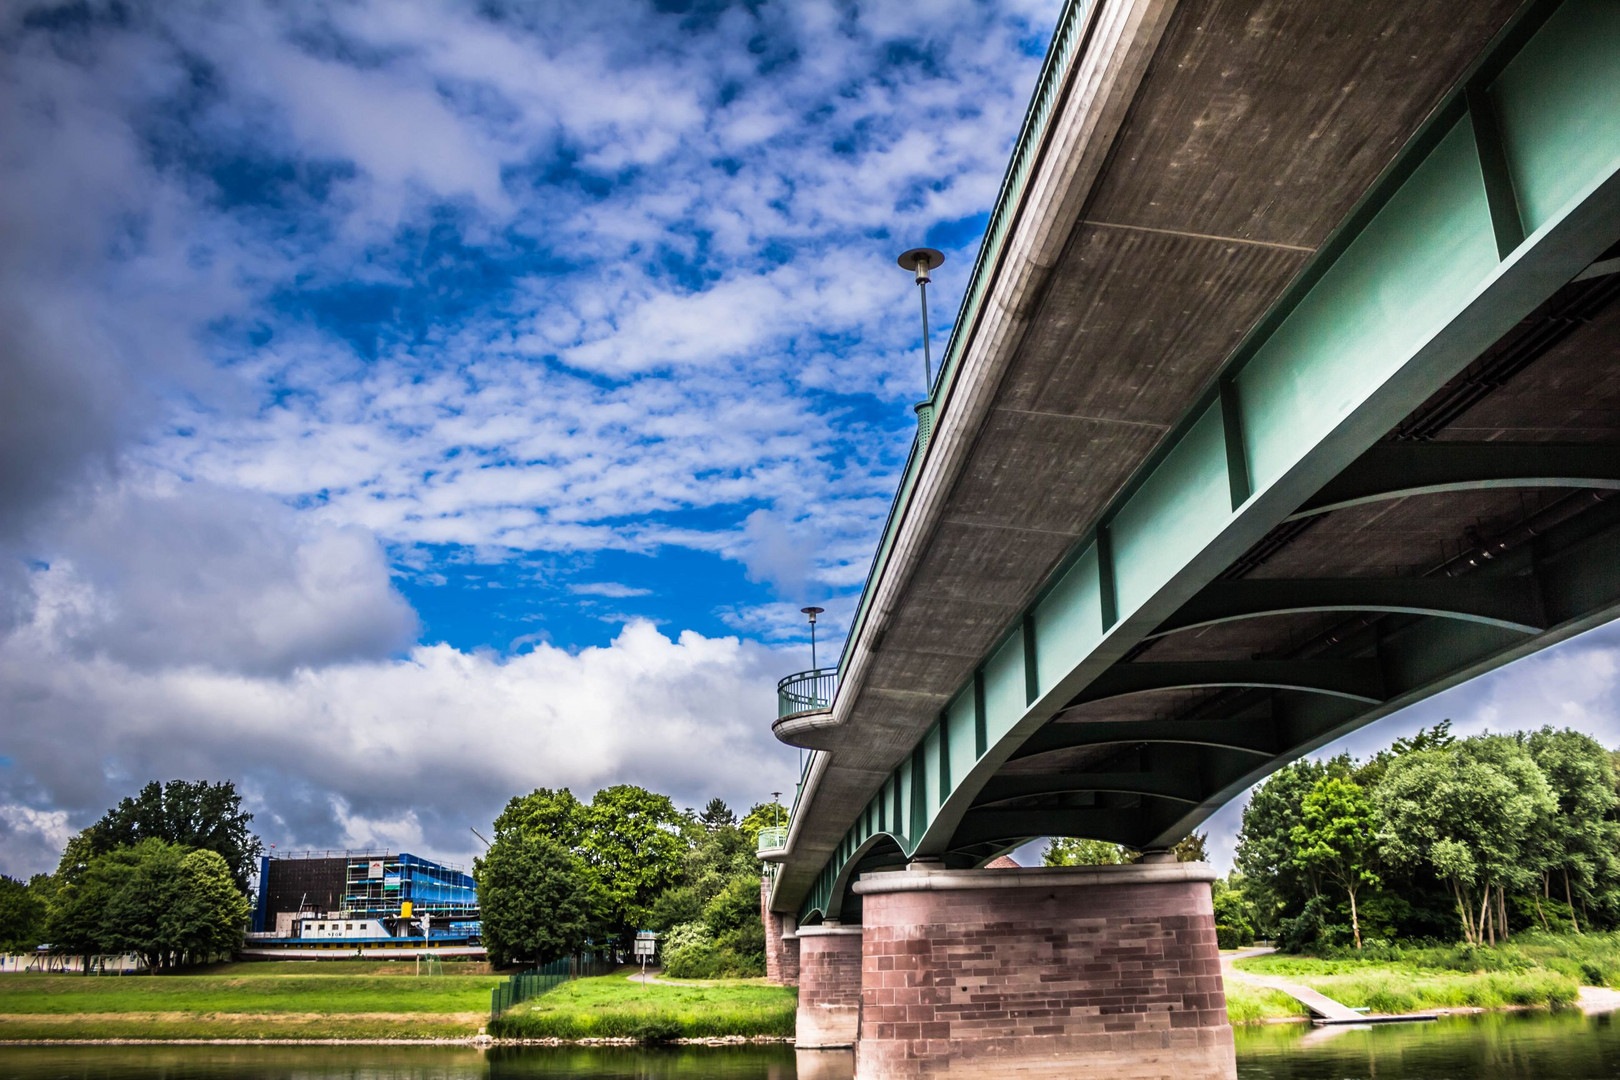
(1253, 736)
(1510, 602)
(1399, 470)
(1358, 680)
(1511, 189)
(1174, 786)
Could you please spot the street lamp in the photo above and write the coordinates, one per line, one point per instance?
(812, 612)
(920, 261)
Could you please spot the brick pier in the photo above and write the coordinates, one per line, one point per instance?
(781, 941)
(1105, 971)
(829, 986)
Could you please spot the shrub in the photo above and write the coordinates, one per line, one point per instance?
(1233, 937)
(657, 1029)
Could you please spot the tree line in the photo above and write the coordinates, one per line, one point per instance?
(163, 876)
(564, 877)
(1434, 838)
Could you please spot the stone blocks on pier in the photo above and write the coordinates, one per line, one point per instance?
(830, 970)
(1054, 972)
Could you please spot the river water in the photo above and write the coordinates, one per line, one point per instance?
(1528, 1046)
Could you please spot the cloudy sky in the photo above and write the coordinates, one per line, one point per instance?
(405, 404)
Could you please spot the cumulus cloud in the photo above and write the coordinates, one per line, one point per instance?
(410, 751)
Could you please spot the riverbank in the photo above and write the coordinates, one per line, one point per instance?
(1535, 970)
(285, 1000)
(615, 1008)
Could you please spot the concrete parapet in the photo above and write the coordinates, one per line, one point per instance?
(829, 986)
(1107, 971)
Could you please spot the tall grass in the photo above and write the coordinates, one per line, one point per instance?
(615, 1008)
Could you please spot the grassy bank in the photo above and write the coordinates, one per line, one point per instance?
(615, 1007)
(1534, 970)
(281, 1000)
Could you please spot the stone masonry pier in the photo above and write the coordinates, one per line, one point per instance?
(1054, 972)
(830, 971)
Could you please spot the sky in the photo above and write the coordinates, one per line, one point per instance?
(404, 405)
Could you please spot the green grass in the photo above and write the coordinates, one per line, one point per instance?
(614, 1007)
(362, 999)
(1253, 1004)
(1534, 970)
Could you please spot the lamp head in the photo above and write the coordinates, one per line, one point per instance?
(920, 261)
(812, 612)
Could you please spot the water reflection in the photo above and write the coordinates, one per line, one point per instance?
(1566, 1046)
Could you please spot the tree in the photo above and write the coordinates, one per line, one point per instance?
(760, 816)
(1073, 851)
(716, 814)
(193, 814)
(22, 914)
(1194, 847)
(1337, 838)
(632, 843)
(209, 914)
(1466, 812)
(1581, 838)
(535, 896)
(1276, 884)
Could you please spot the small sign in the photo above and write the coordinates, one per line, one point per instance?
(646, 944)
(375, 870)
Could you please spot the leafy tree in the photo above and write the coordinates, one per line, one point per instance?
(1337, 838)
(1194, 847)
(193, 814)
(160, 901)
(22, 914)
(1581, 838)
(633, 844)
(1073, 851)
(535, 896)
(1276, 883)
(760, 816)
(716, 814)
(1466, 812)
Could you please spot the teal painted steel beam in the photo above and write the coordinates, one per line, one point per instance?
(1176, 787)
(1510, 602)
(984, 826)
(1358, 680)
(1256, 737)
(1401, 470)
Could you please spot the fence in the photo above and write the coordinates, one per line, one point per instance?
(542, 978)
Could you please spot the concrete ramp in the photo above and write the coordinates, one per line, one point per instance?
(1324, 1010)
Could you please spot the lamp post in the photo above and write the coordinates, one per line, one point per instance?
(812, 612)
(920, 261)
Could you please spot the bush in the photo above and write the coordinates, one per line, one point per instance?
(1233, 937)
(1312, 929)
(657, 1029)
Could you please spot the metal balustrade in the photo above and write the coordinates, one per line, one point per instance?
(806, 691)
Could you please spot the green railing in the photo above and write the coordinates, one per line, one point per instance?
(543, 978)
(806, 691)
(772, 837)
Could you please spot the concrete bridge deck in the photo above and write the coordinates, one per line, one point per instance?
(1285, 394)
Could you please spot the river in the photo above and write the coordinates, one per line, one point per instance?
(1511, 1046)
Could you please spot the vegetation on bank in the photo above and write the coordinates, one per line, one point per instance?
(326, 999)
(614, 1007)
(563, 877)
(1535, 970)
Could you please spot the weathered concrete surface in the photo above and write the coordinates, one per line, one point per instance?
(829, 987)
(1063, 972)
(1198, 158)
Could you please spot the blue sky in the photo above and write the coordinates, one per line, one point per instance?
(410, 403)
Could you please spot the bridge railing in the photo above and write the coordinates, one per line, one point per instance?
(772, 837)
(806, 691)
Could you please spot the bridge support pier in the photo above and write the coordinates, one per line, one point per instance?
(1058, 972)
(829, 986)
(781, 941)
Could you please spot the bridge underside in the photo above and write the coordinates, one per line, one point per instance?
(1262, 463)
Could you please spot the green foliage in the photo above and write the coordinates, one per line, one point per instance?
(535, 898)
(1073, 851)
(716, 814)
(1266, 854)
(22, 913)
(1336, 838)
(157, 900)
(759, 816)
(192, 814)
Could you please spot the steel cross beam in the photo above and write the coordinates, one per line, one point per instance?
(1358, 680)
(1400, 470)
(1510, 602)
(1181, 787)
(1510, 190)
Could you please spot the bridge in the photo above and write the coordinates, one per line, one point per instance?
(1285, 393)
